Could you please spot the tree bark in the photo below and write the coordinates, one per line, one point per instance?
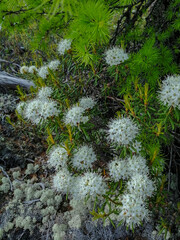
(10, 81)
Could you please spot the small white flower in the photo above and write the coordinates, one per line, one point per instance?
(24, 70)
(115, 56)
(122, 131)
(38, 110)
(170, 92)
(32, 111)
(87, 103)
(20, 108)
(58, 157)
(63, 46)
(32, 69)
(63, 181)
(44, 93)
(49, 108)
(75, 116)
(91, 184)
(43, 72)
(53, 65)
(141, 186)
(83, 157)
(133, 210)
(119, 169)
(137, 164)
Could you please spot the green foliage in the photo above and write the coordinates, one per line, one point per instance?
(91, 23)
(152, 62)
(127, 89)
(89, 28)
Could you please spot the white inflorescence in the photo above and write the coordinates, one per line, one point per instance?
(38, 110)
(20, 108)
(58, 157)
(43, 72)
(49, 108)
(75, 116)
(87, 103)
(141, 186)
(118, 169)
(122, 131)
(63, 181)
(84, 157)
(24, 70)
(91, 184)
(133, 210)
(44, 93)
(32, 69)
(53, 65)
(170, 92)
(137, 164)
(64, 45)
(115, 56)
(32, 111)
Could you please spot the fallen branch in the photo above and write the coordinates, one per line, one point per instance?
(9, 81)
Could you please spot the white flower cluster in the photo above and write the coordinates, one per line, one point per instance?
(139, 186)
(20, 108)
(53, 65)
(63, 181)
(126, 168)
(87, 103)
(44, 93)
(58, 157)
(40, 108)
(25, 69)
(83, 157)
(32, 69)
(91, 184)
(137, 164)
(43, 72)
(118, 169)
(133, 210)
(170, 92)
(115, 56)
(64, 45)
(75, 116)
(122, 131)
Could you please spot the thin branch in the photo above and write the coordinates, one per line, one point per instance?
(129, 23)
(5, 61)
(31, 201)
(5, 173)
(16, 12)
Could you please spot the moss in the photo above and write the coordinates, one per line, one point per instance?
(59, 231)
(8, 226)
(16, 184)
(5, 187)
(75, 222)
(18, 194)
(16, 174)
(1, 233)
